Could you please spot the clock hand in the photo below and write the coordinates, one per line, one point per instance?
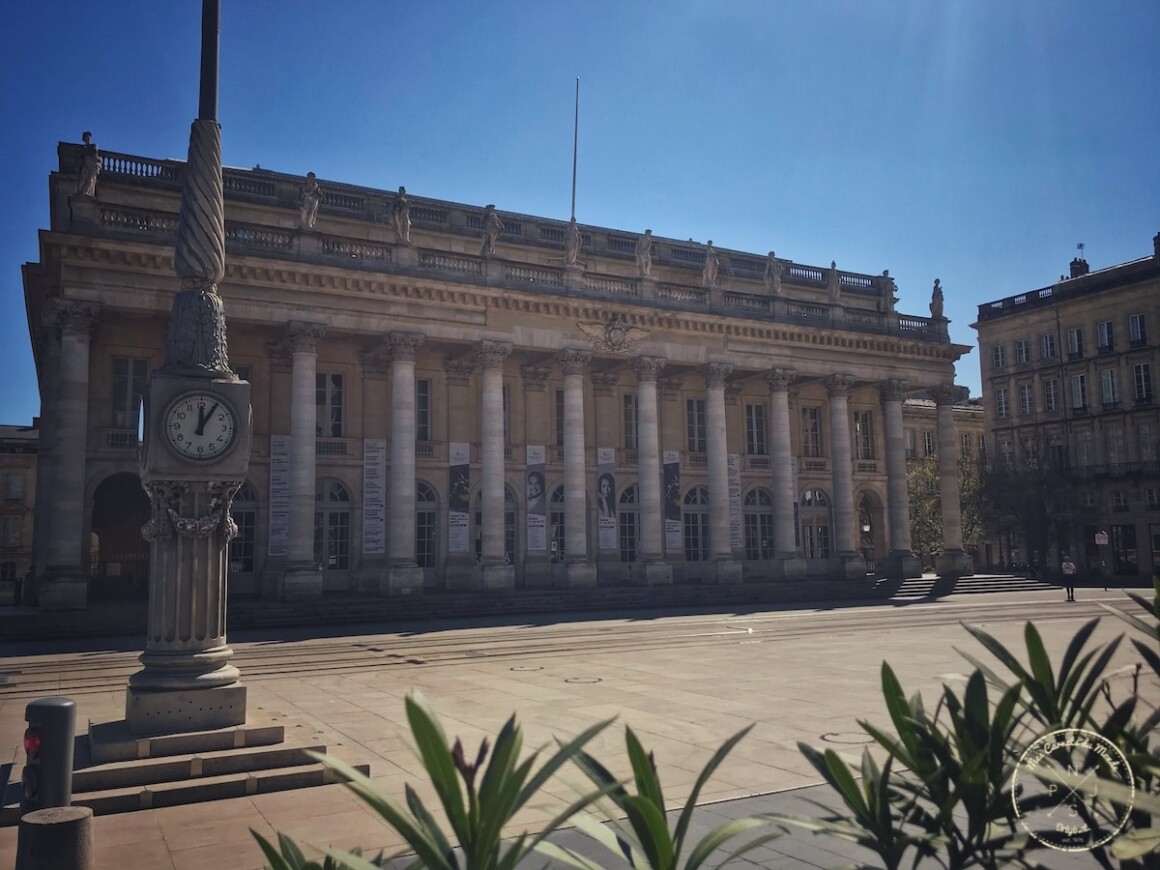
(202, 420)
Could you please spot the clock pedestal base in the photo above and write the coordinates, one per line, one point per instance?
(174, 711)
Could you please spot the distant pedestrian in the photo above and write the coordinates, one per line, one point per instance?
(1068, 567)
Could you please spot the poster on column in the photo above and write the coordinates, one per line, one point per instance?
(279, 495)
(374, 496)
(736, 541)
(458, 495)
(672, 500)
(606, 497)
(537, 506)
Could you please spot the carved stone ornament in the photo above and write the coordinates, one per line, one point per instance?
(715, 375)
(671, 388)
(604, 384)
(196, 338)
(536, 377)
(732, 394)
(401, 345)
(779, 380)
(304, 337)
(74, 317)
(574, 362)
(166, 497)
(945, 394)
(374, 362)
(492, 353)
(840, 383)
(891, 390)
(458, 371)
(648, 368)
(616, 336)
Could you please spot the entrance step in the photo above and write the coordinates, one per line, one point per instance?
(937, 587)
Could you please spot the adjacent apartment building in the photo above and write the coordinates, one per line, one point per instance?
(451, 397)
(1067, 381)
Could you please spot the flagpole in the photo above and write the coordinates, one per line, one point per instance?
(575, 142)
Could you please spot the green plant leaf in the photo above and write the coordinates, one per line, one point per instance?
(723, 833)
(1041, 669)
(1077, 643)
(426, 821)
(647, 784)
(274, 859)
(652, 831)
(707, 771)
(350, 860)
(437, 761)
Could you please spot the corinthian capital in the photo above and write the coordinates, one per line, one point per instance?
(839, 384)
(492, 353)
(304, 337)
(574, 362)
(648, 367)
(401, 345)
(945, 394)
(891, 390)
(715, 375)
(76, 318)
(779, 380)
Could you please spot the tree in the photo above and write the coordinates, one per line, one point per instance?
(922, 483)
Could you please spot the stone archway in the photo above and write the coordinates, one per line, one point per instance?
(119, 563)
(871, 532)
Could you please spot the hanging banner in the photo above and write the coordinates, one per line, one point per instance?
(459, 492)
(736, 538)
(672, 500)
(606, 497)
(374, 535)
(279, 495)
(537, 499)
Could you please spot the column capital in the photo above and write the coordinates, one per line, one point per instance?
(491, 354)
(401, 345)
(839, 384)
(715, 374)
(891, 390)
(648, 367)
(574, 361)
(304, 337)
(458, 371)
(945, 394)
(75, 317)
(535, 377)
(779, 380)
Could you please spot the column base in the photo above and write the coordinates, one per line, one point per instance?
(574, 277)
(406, 255)
(954, 563)
(728, 571)
(179, 711)
(648, 288)
(789, 568)
(845, 567)
(402, 580)
(653, 572)
(301, 582)
(63, 589)
(580, 575)
(498, 576)
(901, 565)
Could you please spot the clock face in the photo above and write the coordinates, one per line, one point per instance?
(200, 426)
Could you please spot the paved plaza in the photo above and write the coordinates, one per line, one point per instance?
(683, 681)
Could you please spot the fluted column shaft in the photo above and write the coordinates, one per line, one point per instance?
(784, 496)
(841, 465)
(402, 517)
(948, 471)
(718, 456)
(649, 458)
(304, 338)
(896, 489)
(575, 500)
(492, 357)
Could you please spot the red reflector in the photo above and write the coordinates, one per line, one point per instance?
(31, 741)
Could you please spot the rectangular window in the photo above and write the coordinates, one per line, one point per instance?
(1142, 378)
(928, 443)
(1051, 395)
(696, 537)
(1137, 330)
(1079, 392)
(242, 547)
(559, 418)
(1146, 440)
(626, 520)
(1109, 388)
(965, 445)
(758, 536)
(998, 356)
(1005, 452)
(630, 421)
(328, 400)
(863, 434)
(1002, 403)
(1047, 346)
(755, 430)
(982, 445)
(1075, 343)
(1153, 499)
(1114, 445)
(1105, 339)
(13, 486)
(423, 409)
(1022, 352)
(1026, 401)
(695, 424)
(1055, 452)
(1083, 448)
(130, 377)
(908, 438)
(10, 528)
(815, 541)
(425, 524)
(811, 432)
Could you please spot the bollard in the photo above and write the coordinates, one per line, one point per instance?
(57, 838)
(48, 748)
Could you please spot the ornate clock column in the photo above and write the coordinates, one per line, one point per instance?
(194, 457)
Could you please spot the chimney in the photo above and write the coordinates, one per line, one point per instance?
(1079, 267)
(1156, 246)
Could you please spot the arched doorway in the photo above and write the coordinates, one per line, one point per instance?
(119, 556)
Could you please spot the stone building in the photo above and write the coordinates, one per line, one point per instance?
(17, 488)
(451, 397)
(1067, 385)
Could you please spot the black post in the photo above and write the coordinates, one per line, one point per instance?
(210, 36)
(48, 744)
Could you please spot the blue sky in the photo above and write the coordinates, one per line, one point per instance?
(976, 141)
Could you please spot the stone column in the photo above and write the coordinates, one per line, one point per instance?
(578, 567)
(47, 454)
(651, 566)
(954, 561)
(848, 562)
(901, 562)
(497, 573)
(404, 576)
(717, 445)
(303, 576)
(459, 570)
(788, 565)
(64, 582)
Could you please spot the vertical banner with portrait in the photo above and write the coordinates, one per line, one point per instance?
(279, 495)
(458, 498)
(736, 538)
(606, 497)
(537, 499)
(374, 533)
(672, 500)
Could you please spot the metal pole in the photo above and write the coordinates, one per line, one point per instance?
(575, 141)
(210, 37)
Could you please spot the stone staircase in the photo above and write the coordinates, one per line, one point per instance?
(917, 588)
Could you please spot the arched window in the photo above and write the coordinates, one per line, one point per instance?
(509, 525)
(815, 524)
(628, 522)
(245, 514)
(757, 514)
(426, 522)
(556, 523)
(332, 525)
(696, 520)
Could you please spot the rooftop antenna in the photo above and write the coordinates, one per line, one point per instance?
(1079, 247)
(575, 142)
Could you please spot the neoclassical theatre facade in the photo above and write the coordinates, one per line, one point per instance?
(450, 397)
